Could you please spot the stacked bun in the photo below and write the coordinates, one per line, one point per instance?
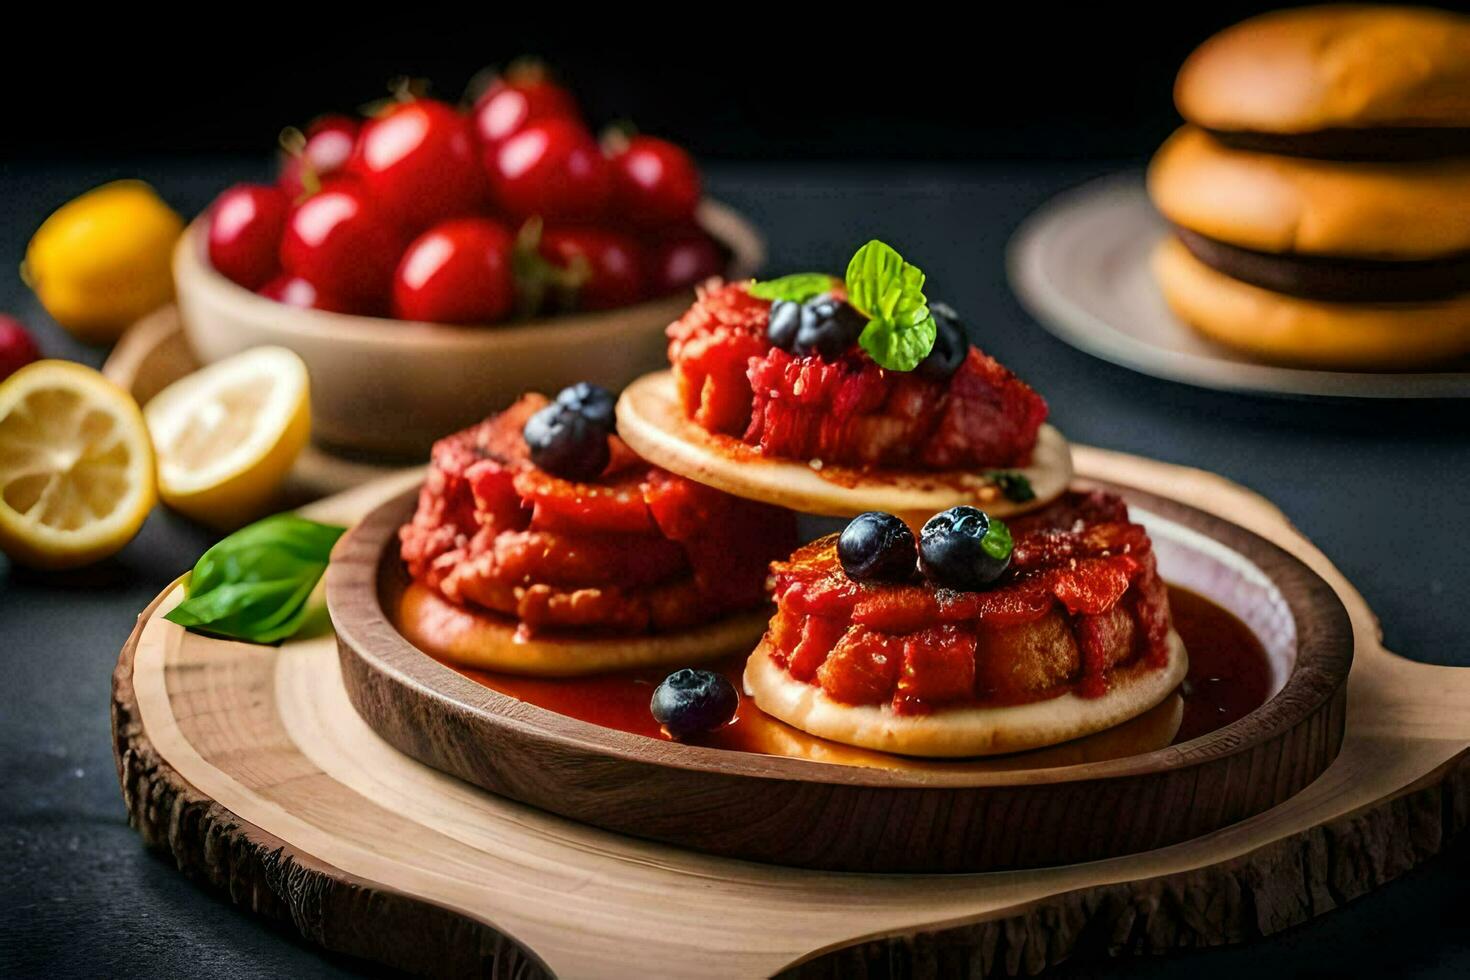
(1320, 191)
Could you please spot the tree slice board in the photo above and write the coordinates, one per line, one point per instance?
(929, 815)
(250, 766)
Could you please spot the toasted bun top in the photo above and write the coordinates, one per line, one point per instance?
(652, 422)
(1402, 210)
(1313, 68)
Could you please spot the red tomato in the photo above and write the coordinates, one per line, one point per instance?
(552, 168)
(459, 271)
(419, 161)
(329, 143)
(656, 183)
(341, 241)
(613, 264)
(295, 291)
(682, 260)
(245, 226)
(17, 346)
(512, 102)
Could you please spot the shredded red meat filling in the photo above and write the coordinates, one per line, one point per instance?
(1082, 596)
(848, 411)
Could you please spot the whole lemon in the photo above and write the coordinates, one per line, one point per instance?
(103, 259)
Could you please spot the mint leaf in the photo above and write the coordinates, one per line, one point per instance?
(896, 349)
(254, 584)
(1015, 487)
(997, 541)
(891, 292)
(795, 288)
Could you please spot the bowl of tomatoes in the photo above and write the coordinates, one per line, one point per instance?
(431, 262)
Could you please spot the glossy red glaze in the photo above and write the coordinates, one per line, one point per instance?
(553, 169)
(459, 271)
(419, 161)
(341, 241)
(245, 227)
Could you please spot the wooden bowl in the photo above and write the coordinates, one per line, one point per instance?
(937, 816)
(391, 387)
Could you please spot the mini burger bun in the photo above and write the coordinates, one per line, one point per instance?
(651, 421)
(486, 641)
(1398, 210)
(1316, 333)
(961, 732)
(1330, 67)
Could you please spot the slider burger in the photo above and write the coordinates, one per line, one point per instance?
(543, 545)
(837, 396)
(1320, 193)
(974, 639)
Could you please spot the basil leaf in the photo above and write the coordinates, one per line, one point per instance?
(1015, 487)
(997, 541)
(254, 585)
(796, 288)
(898, 349)
(891, 291)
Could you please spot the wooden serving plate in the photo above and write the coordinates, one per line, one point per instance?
(930, 816)
(251, 768)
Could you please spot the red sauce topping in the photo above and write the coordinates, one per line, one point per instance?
(850, 411)
(1229, 676)
(638, 550)
(1082, 596)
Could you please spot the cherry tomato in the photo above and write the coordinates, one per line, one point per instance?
(295, 291)
(17, 346)
(612, 263)
(552, 168)
(459, 271)
(328, 147)
(655, 183)
(682, 260)
(419, 160)
(341, 241)
(517, 99)
(245, 226)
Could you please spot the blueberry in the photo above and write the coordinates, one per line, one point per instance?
(963, 548)
(828, 328)
(593, 402)
(877, 547)
(951, 345)
(781, 325)
(690, 702)
(565, 443)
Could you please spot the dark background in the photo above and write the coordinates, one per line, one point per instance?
(1048, 80)
(800, 116)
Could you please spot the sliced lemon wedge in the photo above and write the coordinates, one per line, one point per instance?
(226, 435)
(76, 466)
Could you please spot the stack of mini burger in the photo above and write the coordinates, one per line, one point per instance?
(971, 603)
(1320, 193)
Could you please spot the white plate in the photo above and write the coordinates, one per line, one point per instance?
(1080, 265)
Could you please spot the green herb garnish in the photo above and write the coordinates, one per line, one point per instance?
(254, 584)
(1015, 487)
(997, 541)
(795, 288)
(901, 331)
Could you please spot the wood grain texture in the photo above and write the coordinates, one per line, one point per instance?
(941, 817)
(250, 767)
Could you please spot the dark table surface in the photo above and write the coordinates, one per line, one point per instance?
(1381, 488)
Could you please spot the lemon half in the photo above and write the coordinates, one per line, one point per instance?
(76, 467)
(227, 435)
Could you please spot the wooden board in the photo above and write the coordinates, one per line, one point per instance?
(250, 767)
(930, 816)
